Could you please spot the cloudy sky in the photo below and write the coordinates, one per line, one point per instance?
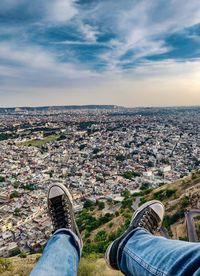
(125, 52)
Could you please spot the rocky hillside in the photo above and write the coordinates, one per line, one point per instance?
(178, 197)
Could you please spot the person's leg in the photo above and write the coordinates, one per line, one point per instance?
(63, 251)
(146, 254)
(149, 216)
(60, 257)
(139, 252)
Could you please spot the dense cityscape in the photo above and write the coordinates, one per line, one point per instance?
(96, 151)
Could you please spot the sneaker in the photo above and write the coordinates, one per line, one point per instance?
(60, 208)
(148, 216)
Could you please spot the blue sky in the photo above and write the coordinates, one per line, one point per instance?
(126, 52)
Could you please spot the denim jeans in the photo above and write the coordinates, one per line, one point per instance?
(60, 257)
(142, 254)
(145, 254)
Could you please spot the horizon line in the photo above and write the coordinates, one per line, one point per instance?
(91, 105)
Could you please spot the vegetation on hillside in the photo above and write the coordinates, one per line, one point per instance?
(5, 265)
(177, 197)
(99, 230)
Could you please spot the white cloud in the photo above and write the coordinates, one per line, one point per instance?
(90, 33)
(142, 26)
(168, 69)
(35, 67)
(61, 11)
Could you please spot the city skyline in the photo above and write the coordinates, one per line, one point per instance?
(139, 53)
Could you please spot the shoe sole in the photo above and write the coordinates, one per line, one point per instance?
(65, 190)
(145, 205)
(106, 257)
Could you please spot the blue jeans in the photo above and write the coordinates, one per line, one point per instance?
(60, 257)
(145, 254)
(141, 254)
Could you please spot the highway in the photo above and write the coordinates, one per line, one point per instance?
(191, 232)
(136, 203)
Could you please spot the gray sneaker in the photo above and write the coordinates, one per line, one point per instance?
(148, 216)
(60, 208)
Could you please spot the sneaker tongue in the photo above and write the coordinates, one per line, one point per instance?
(56, 200)
(58, 210)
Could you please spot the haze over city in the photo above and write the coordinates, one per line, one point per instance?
(130, 53)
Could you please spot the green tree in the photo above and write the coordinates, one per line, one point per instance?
(15, 252)
(164, 194)
(14, 194)
(96, 150)
(169, 220)
(120, 157)
(17, 211)
(88, 203)
(185, 201)
(100, 236)
(130, 174)
(144, 186)
(30, 187)
(126, 193)
(160, 173)
(101, 205)
(15, 185)
(82, 146)
(127, 203)
(2, 179)
(110, 224)
(117, 213)
(23, 254)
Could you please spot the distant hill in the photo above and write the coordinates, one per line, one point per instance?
(57, 108)
(115, 110)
